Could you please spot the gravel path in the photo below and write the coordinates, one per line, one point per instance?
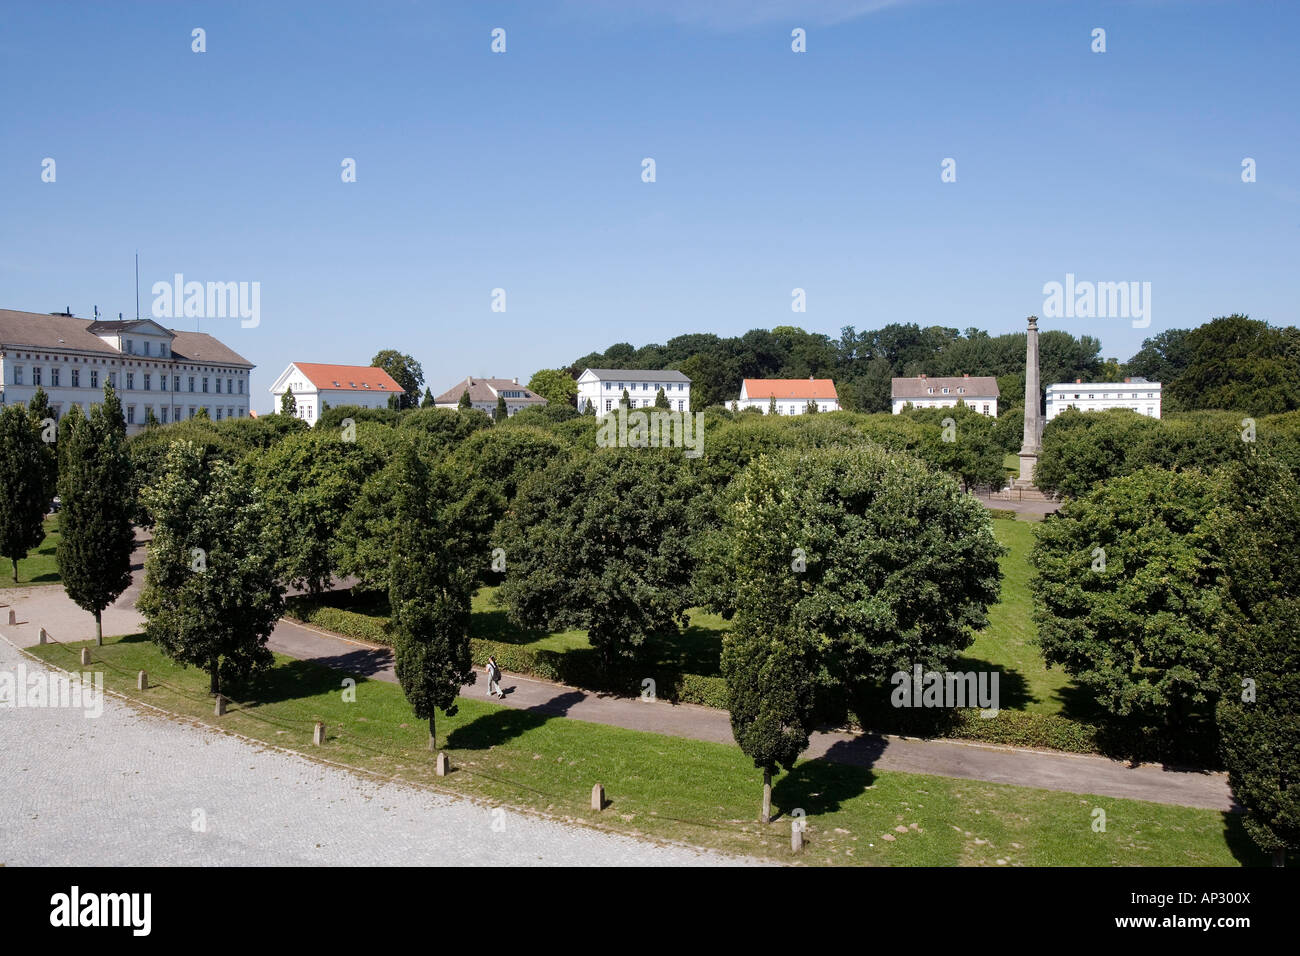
(129, 788)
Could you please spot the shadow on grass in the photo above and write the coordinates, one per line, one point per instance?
(818, 787)
(1013, 689)
(498, 727)
(1240, 845)
(290, 680)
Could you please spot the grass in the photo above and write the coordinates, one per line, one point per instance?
(671, 789)
(39, 567)
(1007, 643)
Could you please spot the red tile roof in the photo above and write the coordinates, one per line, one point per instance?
(788, 388)
(356, 377)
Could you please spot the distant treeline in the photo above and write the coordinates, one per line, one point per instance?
(1232, 363)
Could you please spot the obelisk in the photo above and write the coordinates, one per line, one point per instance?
(1032, 443)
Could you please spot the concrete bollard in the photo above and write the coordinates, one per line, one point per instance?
(85, 657)
(444, 765)
(13, 618)
(598, 797)
(318, 734)
(220, 708)
(142, 681)
(796, 838)
(44, 636)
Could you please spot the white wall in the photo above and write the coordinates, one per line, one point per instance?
(605, 395)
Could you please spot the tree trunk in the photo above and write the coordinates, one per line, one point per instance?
(766, 816)
(1279, 857)
(99, 628)
(214, 682)
(433, 736)
(15, 561)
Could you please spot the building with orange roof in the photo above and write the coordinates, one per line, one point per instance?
(312, 384)
(792, 395)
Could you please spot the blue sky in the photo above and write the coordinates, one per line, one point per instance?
(522, 170)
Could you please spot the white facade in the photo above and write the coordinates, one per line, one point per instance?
(979, 393)
(792, 395)
(604, 388)
(154, 370)
(1137, 394)
(317, 386)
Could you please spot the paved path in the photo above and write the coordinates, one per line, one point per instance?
(129, 788)
(1048, 770)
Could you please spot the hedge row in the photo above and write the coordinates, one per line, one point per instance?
(581, 668)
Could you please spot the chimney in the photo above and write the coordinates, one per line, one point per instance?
(516, 379)
(965, 374)
(1078, 381)
(1128, 381)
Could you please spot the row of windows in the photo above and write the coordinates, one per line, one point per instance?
(1105, 395)
(645, 403)
(163, 412)
(146, 380)
(646, 386)
(129, 347)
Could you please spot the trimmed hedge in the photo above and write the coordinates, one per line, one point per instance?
(581, 668)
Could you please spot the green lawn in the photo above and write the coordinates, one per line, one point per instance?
(39, 567)
(672, 789)
(1007, 643)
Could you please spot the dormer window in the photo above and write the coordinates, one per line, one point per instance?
(945, 391)
(929, 391)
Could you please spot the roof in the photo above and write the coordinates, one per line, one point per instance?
(41, 331)
(484, 391)
(977, 386)
(788, 388)
(639, 374)
(357, 378)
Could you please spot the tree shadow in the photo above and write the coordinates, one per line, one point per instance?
(498, 727)
(1013, 689)
(1240, 845)
(290, 680)
(363, 662)
(819, 787)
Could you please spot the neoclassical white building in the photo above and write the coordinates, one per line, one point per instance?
(315, 385)
(604, 387)
(979, 392)
(791, 395)
(153, 369)
(1137, 394)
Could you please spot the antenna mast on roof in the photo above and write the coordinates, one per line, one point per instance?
(137, 285)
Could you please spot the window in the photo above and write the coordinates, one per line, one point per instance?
(218, 413)
(217, 385)
(18, 374)
(608, 402)
(36, 375)
(130, 381)
(176, 383)
(112, 379)
(681, 405)
(230, 387)
(146, 346)
(205, 384)
(164, 414)
(191, 387)
(945, 391)
(148, 381)
(162, 350)
(128, 347)
(192, 411)
(54, 377)
(986, 409)
(76, 378)
(130, 414)
(241, 388)
(929, 391)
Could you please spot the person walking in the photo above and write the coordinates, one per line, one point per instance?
(494, 678)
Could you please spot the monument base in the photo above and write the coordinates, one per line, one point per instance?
(1028, 460)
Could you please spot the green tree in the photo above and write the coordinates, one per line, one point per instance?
(771, 406)
(555, 385)
(211, 597)
(202, 414)
(24, 477)
(1240, 364)
(288, 404)
(626, 400)
(1254, 530)
(464, 404)
(95, 506)
(1081, 449)
(661, 400)
(601, 542)
(406, 371)
(431, 583)
(427, 401)
(1125, 597)
(46, 425)
(501, 413)
(811, 408)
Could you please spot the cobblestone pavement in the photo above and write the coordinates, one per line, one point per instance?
(130, 788)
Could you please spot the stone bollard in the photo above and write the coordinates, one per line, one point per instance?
(318, 734)
(13, 618)
(44, 636)
(598, 797)
(796, 837)
(142, 681)
(220, 708)
(444, 765)
(85, 657)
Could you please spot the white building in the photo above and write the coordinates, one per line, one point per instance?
(1138, 394)
(604, 387)
(362, 386)
(979, 392)
(792, 395)
(153, 369)
(484, 392)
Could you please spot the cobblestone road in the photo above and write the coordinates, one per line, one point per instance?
(130, 788)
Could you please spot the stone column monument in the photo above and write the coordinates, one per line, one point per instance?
(1032, 443)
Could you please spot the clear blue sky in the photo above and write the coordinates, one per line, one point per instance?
(523, 171)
